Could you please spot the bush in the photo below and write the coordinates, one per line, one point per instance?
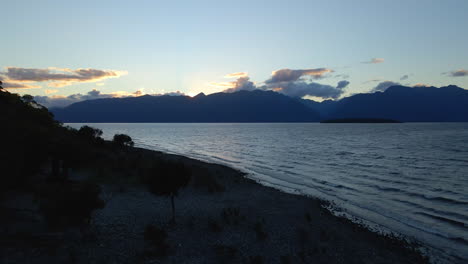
(166, 179)
(157, 239)
(69, 203)
(123, 140)
(90, 133)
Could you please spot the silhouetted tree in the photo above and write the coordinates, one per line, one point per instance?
(166, 179)
(91, 133)
(123, 140)
(26, 134)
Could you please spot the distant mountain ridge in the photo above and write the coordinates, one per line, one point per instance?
(242, 106)
(406, 104)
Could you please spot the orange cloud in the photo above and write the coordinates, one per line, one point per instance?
(236, 75)
(58, 77)
(50, 91)
(222, 84)
(7, 84)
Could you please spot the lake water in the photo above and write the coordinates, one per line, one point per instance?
(411, 178)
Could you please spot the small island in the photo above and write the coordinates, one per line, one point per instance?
(360, 120)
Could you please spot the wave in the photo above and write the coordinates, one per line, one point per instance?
(444, 219)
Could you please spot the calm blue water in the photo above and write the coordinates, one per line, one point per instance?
(410, 178)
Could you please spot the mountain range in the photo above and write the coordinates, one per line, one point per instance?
(406, 104)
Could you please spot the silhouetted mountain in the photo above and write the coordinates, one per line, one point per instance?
(243, 106)
(406, 104)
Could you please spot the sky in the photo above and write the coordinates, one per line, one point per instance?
(70, 50)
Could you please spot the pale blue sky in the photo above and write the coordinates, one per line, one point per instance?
(167, 46)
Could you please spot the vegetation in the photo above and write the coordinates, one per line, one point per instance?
(166, 179)
(122, 140)
(91, 134)
(29, 135)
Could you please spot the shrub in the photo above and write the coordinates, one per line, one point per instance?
(69, 203)
(157, 238)
(166, 179)
(90, 133)
(122, 140)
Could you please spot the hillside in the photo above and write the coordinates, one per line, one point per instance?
(406, 104)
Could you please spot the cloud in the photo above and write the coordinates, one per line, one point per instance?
(374, 61)
(7, 84)
(57, 77)
(50, 91)
(342, 84)
(288, 82)
(458, 73)
(236, 75)
(341, 76)
(62, 101)
(384, 86)
(176, 93)
(242, 83)
(300, 89)
(404, 77)
(421, 85)
(292, 83)
(288, 75)
(15, 85)
(373, 80)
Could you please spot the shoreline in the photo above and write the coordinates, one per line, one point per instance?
(435, 255)
(222, 216)
(328, 206)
